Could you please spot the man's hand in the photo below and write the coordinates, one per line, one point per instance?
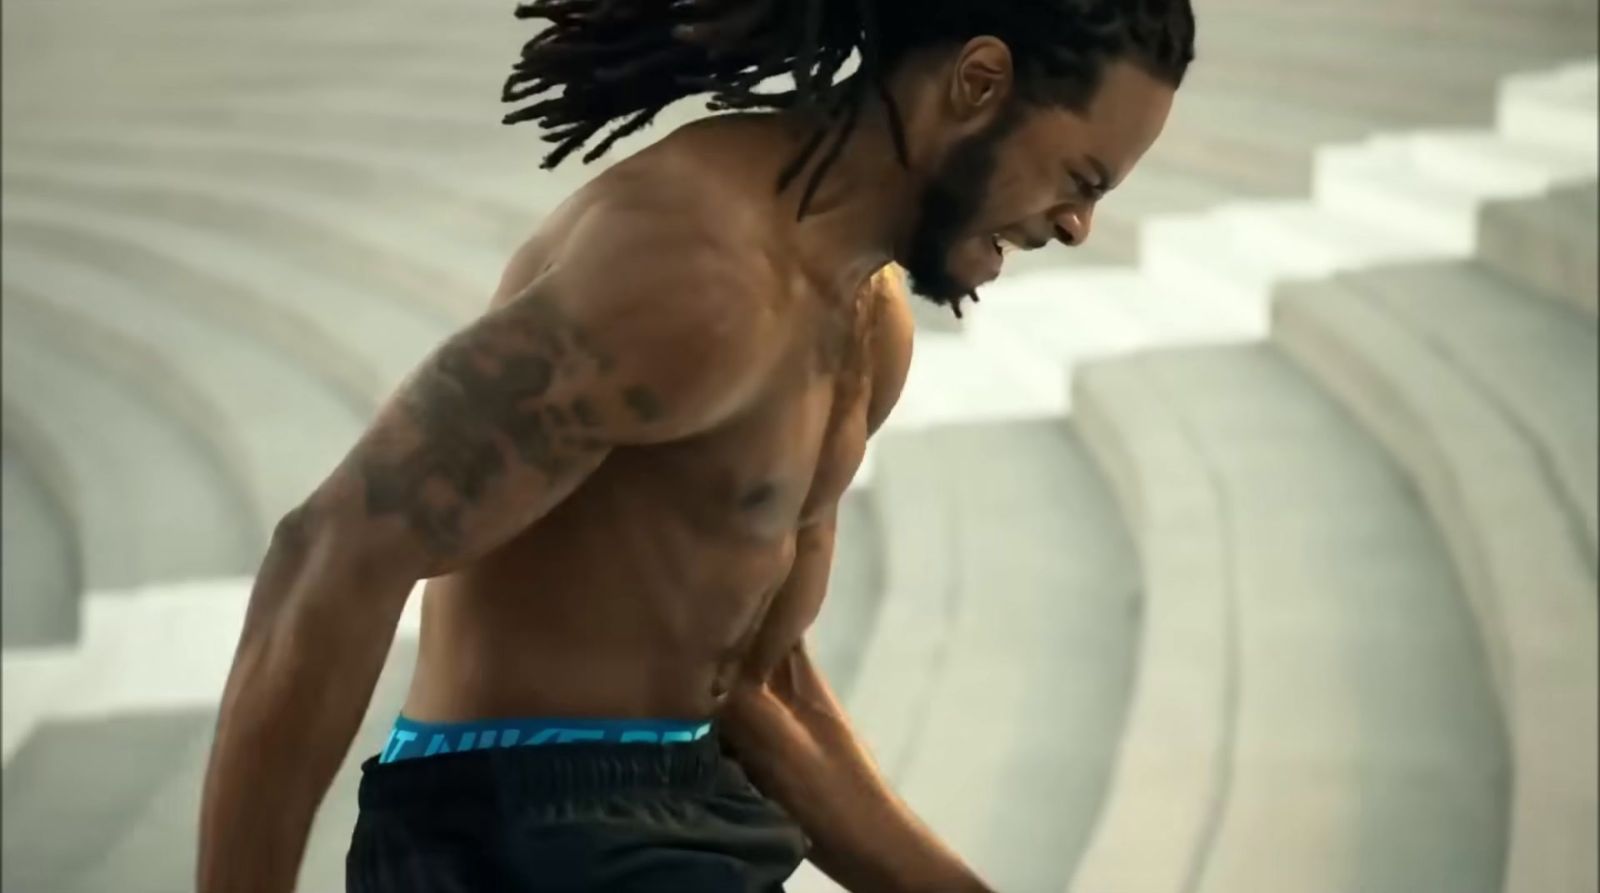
(790, 733)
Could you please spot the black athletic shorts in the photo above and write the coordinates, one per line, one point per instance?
(570, 817)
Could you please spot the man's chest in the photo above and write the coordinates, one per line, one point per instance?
(788, 461)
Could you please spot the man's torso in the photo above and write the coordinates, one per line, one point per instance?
(641, 594)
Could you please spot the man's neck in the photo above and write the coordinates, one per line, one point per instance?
(863, 212)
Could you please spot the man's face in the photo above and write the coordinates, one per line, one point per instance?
(1027, 176)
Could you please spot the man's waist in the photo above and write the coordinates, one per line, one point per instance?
(409, 739)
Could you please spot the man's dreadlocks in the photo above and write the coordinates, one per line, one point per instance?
(625, 60)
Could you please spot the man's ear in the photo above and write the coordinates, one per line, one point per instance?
(982, 79)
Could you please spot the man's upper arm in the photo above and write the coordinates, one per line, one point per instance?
(512, 413)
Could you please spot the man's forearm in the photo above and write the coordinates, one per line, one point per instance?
(795, 742)
(262, 786)
(294, 699)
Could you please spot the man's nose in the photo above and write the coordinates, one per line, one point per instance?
(1072, 224)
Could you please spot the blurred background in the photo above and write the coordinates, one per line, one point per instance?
(1250, 548)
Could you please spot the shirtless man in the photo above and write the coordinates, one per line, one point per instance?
(621, 480)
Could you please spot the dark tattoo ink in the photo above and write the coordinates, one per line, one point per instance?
(646, 407)
(483, 388)
(584, 412)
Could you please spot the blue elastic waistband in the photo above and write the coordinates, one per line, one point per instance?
(409, 740)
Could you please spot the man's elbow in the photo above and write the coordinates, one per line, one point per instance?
(322, 567)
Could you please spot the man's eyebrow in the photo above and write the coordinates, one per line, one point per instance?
(1101, 171)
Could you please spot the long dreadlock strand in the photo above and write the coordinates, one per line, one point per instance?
(799, 161)
(806, 59)
(872, 69)
(852, 113)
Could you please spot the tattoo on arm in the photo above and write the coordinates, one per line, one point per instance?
(646, 408)
(492, 394)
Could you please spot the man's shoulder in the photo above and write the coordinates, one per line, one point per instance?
(670, 233)
(645, 272)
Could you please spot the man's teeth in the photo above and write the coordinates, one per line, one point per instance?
(1002, 245)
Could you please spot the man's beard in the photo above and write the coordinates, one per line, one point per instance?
(949, 204)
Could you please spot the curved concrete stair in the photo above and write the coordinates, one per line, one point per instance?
(1317, 715)
(1547, 243)
(855, 589)
(1534, 362)
(154, 502)
(1159, 185)
(43, 563)
(1009, 652)
(281, 428)
(155, 849)
(1007, 361)
(495, 210)
(1063, 321)
(1232, 257)
(1409, 197)
(370, 76)
(431, 277)
(1436, 182)
(1556, 106)
(75, 786)
(1544, 27)
(1445, 83)
(469, 136)
(382, 335)
(1486, 452)
(234, 309)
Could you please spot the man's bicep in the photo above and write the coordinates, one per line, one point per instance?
(492, 430)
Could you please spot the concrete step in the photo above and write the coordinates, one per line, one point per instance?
(1312, 701)
(370, 112)
(855, 594)
(1534, 361)
(1546, 243)
(492, 209)
(1551, 28)
(43, 564)
(234, 309)
(1259, 131)
(1433, 61)
(1519, 552)
(373, 330)
(1435, 183)
(379, 242)
(1008, 366)
(75, 787)
(1468, 156)
(154, 502)
(1012, 650)
(1353, 91)
(1214, 126)
(281, 429)
(1063, 321)
(1233, 257)
(1159, 185)
(955, 380)
(154, 850)
(1554, 107)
